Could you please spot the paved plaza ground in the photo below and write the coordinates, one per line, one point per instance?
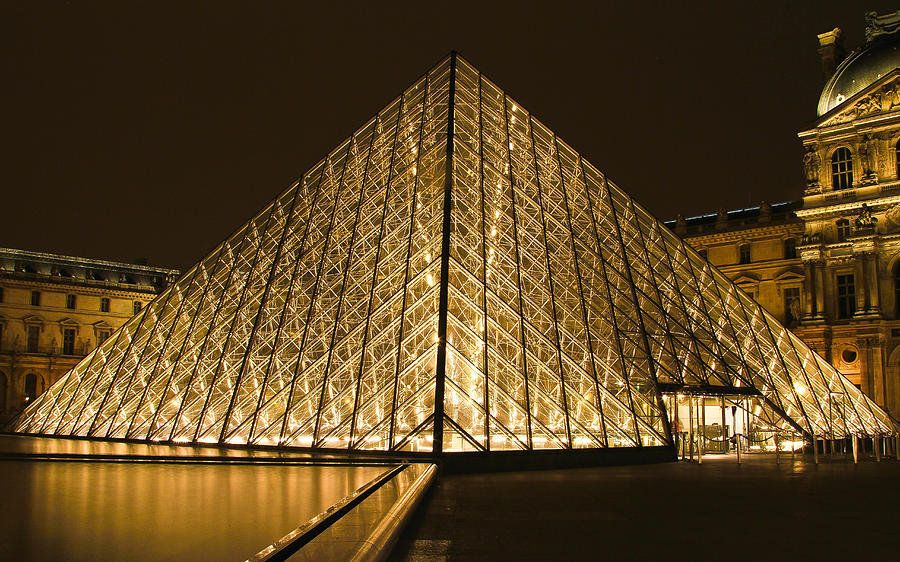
(678, 511)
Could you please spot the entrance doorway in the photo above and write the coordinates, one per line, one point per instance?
(708, 423)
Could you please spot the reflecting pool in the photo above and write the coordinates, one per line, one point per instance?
(161, 511)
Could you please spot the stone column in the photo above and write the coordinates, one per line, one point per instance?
(819, 269)
(876, 368)
(809, 290)
(859, 284)
(874, 285)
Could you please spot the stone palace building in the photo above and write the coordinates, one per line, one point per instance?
(828, 266)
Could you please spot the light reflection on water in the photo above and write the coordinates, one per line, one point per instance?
(151, 511)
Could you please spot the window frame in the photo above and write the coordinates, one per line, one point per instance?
(790, 248)
(841, 168)
(32, 330)
(104, 304)
(69, 336)
(71, 301)
(35, 298)
(745, 254)
(845, 293)
(842, 230)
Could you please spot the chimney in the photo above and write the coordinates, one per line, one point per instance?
(831, 50)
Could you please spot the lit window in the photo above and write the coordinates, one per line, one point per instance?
(35, 298)
(137, 306)
(791, 305)
(841, 169)
(843, 230)
(790, 248)
(745, 253)
(104, 304)
(846, 291)
(30, 388)
(70, 302)
(69, 341)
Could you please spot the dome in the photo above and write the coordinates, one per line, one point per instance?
(860, 69)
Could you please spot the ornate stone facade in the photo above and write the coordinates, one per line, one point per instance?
(55, 309)
(847, 264)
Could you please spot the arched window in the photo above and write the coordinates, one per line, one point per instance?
(842, 169)
(843, 229)
(790, 248)
(30, 388)
(897, 289)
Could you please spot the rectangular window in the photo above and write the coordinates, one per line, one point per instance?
(1, 294)
(35, 298)
(70, 302)
(842, 228)
(69, 341)
(745, 253)
(846, 294)
(791, 305)
(102, 336)
(34, 338)
(790, 248)
(104, 304)
(137, 306)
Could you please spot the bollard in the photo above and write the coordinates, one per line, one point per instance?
(699, 448)
(793, 440)
(855, 449)
(876, 444)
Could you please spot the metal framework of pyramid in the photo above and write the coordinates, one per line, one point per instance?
(452, 277)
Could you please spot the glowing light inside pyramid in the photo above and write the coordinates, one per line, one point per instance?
(567, 307)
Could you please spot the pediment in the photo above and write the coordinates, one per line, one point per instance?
(789, 277)
(881, 96)
(68, 322)
(102, 325)
(33, 319)
(745, 279)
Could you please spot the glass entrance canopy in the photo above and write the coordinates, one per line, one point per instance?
(452, 277)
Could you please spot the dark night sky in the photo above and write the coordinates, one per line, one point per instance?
(155, 129)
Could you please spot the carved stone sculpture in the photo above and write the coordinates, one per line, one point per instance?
(886, 24)
(865, 221)
(811, 166)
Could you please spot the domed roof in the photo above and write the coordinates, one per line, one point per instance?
(860, 69)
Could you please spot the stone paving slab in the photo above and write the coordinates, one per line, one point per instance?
(717, 510)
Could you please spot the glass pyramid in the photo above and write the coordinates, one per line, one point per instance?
(422, 291)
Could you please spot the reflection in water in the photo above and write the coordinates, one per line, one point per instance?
(158, 511)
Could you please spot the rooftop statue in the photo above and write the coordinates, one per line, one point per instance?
(877, 26)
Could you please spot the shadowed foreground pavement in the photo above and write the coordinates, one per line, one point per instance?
(681, 511)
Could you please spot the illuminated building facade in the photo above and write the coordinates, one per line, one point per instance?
(451, 278)
(55, 309)
(829, 266)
